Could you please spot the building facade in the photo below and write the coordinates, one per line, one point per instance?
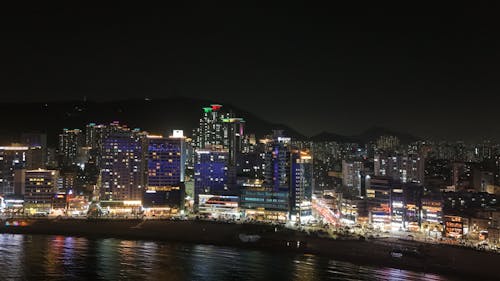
(405, 168)
(166, 160)
(211, 173)
(40, 190)
(70, 142)
(352, 173)
(121, 172)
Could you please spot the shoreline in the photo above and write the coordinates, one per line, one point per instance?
(440, 259)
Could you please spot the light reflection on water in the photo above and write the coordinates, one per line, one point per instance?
(37, 257)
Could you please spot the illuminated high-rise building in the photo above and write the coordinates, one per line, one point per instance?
(218, 128)
(233, 137)
(211, 173)
(277, 162)
(94, 135)
(250, 165)
(248, 143)
(166, 159)
(210, 130)
(405, 168)
(12, 158)
(352, 173)
(301, 186)
(387, 143)
(287, 171)
(70, 142)
(40, 190)
(220, 131)
(121, 167)
(94, 140)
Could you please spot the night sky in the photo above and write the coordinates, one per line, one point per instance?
(316, 70)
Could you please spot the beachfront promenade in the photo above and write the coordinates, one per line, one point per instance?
(415, 255)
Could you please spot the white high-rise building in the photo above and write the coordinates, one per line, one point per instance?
(405, 168)
(352, 173)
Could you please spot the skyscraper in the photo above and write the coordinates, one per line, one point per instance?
(217, 128)
(405, 168)
(94, 135)
(210, 130)
(218, 133)
(70, 142)
(277, 162)
(166, 159)
(351, 173)
(233, 137)
(301, 186)
(211, 172)
(287, 171)
(12, 158)
(122, 166)
(387, 143)
(266, 196)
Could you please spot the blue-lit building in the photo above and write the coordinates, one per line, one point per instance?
(286, 190)
(122, 166)
(250, 165)
(166, 160)
(217, 145)
(277, 163)
(211, 173)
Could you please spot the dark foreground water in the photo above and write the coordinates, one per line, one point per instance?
(36, 257)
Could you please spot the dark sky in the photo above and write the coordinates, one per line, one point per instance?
(434, 75)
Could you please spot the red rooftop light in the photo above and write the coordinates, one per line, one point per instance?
(216, 107)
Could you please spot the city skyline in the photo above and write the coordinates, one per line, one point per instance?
(208, 142)
(112, 174)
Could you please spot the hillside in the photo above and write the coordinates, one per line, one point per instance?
(157, 116)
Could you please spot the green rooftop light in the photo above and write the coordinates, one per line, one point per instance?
(207, 109)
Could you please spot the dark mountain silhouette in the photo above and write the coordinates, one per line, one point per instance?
(155, 115)
(327, 136)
